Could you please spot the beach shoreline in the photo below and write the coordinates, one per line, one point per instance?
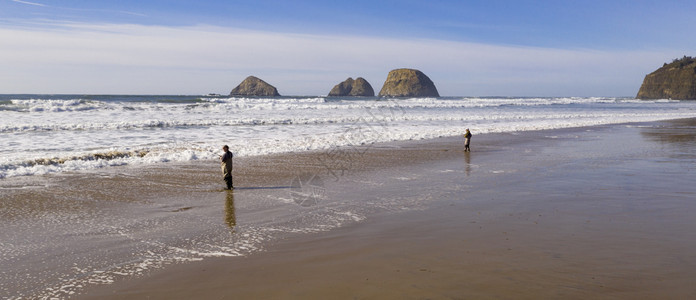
(413, 213)
(565, 213)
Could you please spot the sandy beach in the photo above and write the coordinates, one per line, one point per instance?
(600, 212)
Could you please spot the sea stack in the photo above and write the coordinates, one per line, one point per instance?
(253, 86)
(676, 80)
(356, 88)
(408, 83)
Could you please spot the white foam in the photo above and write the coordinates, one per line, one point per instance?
(51, 105)
(39, 129)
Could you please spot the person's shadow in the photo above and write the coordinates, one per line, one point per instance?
(230, 216)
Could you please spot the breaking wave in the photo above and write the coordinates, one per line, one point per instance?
(48, 134)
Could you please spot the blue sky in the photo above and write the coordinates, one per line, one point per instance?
(472, 48)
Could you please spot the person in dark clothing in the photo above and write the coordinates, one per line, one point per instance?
(226, 160)
(467, 140)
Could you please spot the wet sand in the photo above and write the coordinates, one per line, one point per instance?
(601, 213)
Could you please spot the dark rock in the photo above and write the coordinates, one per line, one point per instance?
(676, 80)
(253, 86)
(357, 88)
(342, 89)
(408, 83)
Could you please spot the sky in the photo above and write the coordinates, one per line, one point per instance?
(468, 48)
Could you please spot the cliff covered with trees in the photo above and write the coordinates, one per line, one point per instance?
(676, 80)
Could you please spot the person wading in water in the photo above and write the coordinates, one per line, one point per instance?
(467, 140)
(226, 160)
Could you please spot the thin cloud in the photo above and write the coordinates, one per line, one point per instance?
(30, 3)
(125, 12)
(106, 11)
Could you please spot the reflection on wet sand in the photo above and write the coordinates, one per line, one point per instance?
(230, 217)
(467, 159)
(681, 132)
(679, 138)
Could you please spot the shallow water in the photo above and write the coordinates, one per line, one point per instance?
(613, 203)
(63, 233)
(594, 213)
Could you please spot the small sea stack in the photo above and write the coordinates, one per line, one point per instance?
(253, 86)
(408, 83)
(356, 88)
(676, 80)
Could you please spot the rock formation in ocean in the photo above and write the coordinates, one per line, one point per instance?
(676, 80)
(358, 88)
(408, 83)
(253, 86)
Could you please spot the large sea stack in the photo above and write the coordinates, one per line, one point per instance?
(676, 80)
(253, 86)
(357, 88)
(408, 83)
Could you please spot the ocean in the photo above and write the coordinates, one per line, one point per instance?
(43, 134)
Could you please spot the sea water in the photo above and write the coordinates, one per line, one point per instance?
(74, 214)
(42, 134)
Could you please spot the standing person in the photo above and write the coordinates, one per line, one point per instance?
(467, 140)
(226, 160)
